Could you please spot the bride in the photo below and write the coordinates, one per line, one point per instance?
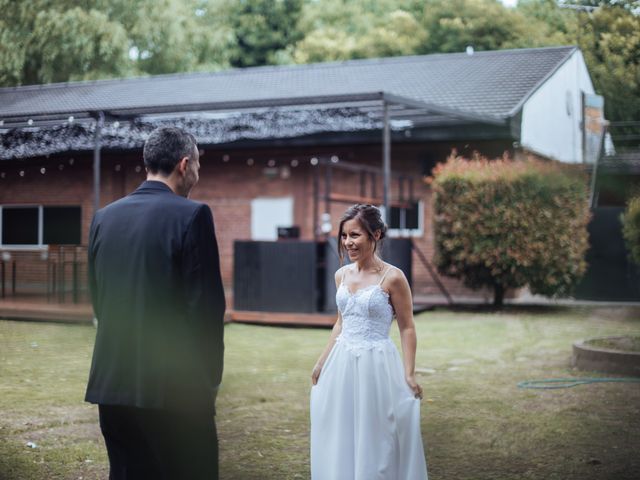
(365, 401)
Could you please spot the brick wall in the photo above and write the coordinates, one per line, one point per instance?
(229, 180)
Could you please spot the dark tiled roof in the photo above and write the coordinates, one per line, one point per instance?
(493, 84)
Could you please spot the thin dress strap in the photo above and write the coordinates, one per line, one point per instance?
(344, 273)
(383, 276)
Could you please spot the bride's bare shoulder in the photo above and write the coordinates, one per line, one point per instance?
(395, 277)
(340, 273)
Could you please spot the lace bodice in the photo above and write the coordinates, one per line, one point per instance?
(366, 315)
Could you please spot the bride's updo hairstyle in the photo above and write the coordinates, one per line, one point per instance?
(369, 218)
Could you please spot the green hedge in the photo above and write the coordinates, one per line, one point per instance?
(506, 224)
(631, 228)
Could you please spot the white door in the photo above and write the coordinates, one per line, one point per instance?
(269, 213)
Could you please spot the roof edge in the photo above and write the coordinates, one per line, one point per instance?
(318, 100)
(515, 110)
(267, 68)
(454, 112)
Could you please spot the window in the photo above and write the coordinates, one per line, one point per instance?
(406, 220)
(268, 214)
(36, 226)
(20, 225)
(61, 225)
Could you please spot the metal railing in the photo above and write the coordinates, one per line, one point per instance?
(57, 274)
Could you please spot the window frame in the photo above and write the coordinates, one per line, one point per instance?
(409, 232)
(40, 245)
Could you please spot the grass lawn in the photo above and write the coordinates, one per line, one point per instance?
(476, 423)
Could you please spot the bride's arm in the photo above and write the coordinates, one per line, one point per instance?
(337, 328)
(400, 295)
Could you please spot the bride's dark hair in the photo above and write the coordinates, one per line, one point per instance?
(369, 217)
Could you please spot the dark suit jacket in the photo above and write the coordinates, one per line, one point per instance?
(156, 290)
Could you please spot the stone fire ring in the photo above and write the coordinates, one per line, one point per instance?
(595, 358)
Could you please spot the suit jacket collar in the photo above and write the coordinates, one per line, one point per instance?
(154, 185)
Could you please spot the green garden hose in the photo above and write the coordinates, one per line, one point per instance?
(550, 383)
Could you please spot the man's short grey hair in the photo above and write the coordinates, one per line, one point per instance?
(165, 147)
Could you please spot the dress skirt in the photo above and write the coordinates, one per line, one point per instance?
(365, 419)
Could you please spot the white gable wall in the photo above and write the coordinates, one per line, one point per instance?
(552, 116)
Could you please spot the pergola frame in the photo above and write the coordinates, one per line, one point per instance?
(382, 106)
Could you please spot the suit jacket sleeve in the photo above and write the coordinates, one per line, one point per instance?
(93, 284)
(204, 292)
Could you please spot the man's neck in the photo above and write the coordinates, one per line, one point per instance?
(154, 177)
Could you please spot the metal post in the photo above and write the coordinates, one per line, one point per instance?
(48, 279)
(13, 278)
(75, 275)
(386, 163)
(54, 279)
(63, 281)
(327, 187)
(593, 199)
(316, 200)
(3, 291)
(96, 161)
(374, 185)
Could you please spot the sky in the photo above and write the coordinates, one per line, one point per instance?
(509, 3)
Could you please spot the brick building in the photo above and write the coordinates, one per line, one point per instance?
(287, 146)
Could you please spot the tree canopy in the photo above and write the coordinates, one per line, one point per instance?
(45, 41)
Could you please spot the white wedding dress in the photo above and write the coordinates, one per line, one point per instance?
(365, 420)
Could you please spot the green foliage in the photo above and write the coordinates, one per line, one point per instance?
(610, 41)
(483, 24)
(74, 43)
(262, 29)
(609, 38)
(631, 228)
(339, 30)
(506, 224)
(58, 40)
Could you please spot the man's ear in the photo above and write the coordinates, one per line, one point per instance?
(183, 164)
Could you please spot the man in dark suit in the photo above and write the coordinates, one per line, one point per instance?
(156, 290)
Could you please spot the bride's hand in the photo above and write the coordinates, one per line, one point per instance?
(417, 389)
(315, 373)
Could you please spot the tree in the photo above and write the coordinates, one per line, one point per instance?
(506, 224)
(74, 43)
(610, 40)
(608, 35)
(262, 29)
(452, 25)
(546, 23)
(339, 30)
(631, 228)
(59, 40)
(43, 43)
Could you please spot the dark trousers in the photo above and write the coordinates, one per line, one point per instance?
(159, 444)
